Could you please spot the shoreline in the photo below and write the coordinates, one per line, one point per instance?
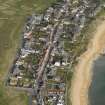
(82, 74)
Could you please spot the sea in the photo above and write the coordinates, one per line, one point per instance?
(97, 87)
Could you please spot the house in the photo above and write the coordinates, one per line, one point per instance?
(13, 81)
(19, 77)
(36, 19)
(16, 71)
(43, 39)
(58, 79)
(26, 83)
(57, 64)
(48, 13)
(28, 44)
(60, 104)
(64, 64)
(18, 63)
(28, 35)
(24, 53)
(50, 10)
(34, 102)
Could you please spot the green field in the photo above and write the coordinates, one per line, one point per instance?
(12, 17)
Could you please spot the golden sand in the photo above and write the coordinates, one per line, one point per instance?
(82, 76)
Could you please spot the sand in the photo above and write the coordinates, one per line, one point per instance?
(83, 71)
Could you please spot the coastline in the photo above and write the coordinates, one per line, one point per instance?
(83, 71)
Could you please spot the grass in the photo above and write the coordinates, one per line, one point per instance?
(14, 13)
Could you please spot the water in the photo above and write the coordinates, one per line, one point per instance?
(97, 88)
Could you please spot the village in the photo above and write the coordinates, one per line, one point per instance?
(42, 61)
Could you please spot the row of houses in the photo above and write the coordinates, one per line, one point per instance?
(24, 71)
(35, 39)
(71, 25)
(54, 77)
(56, 27)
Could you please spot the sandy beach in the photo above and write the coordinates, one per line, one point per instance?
(83, 71)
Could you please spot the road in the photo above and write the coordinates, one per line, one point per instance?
(41, 69)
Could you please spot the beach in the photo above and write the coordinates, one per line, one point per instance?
(83, 71)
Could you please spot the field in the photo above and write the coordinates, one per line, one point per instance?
(12, 18)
